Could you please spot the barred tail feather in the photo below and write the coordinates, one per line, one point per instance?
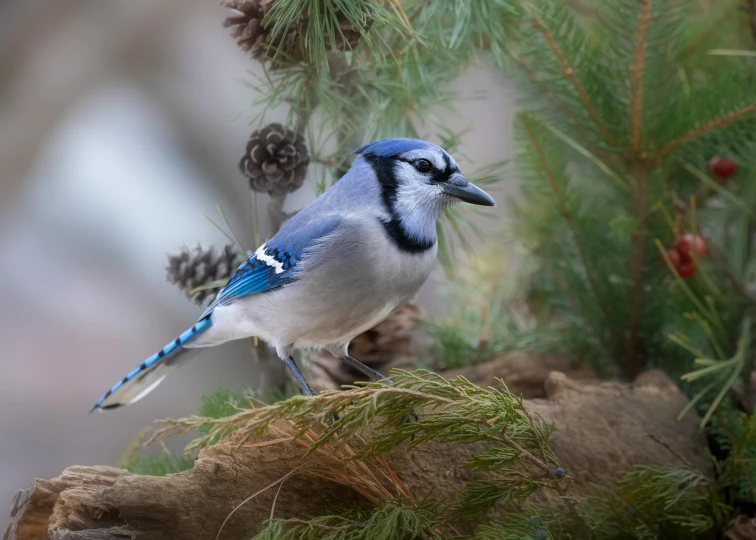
(144, 379)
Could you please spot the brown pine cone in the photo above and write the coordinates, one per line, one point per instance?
(275, 160)
(193, 267)
(742, 527)
(246, 23)
(390, 344)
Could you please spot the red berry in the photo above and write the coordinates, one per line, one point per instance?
(686, 269)
(688, 244)
(722, 168)
(674, 256)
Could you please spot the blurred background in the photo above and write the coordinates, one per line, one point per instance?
(119, 129)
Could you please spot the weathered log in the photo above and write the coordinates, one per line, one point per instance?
(601, 430)
(523, 372)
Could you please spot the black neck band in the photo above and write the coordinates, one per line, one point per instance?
(384, 171)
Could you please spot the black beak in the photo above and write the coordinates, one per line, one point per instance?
(459, 188)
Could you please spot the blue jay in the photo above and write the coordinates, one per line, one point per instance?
(337, 268)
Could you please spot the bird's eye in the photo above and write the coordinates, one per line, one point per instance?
(423, 165)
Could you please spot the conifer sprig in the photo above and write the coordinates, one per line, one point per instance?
(564, 210)
(373, 420)
(568, 70)
(392, 520)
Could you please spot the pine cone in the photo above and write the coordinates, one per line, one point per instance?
(246, 23)
(193, 267)
(389, 344)
(742, 527)
(275, 160)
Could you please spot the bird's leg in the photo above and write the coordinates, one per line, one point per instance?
(303, 386)
(341, 353)
(369, 372)
(301, 381)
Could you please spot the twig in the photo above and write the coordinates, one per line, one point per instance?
(263, 490)
(717, 123)
(566, 214)
(535, 431)
(569, 74)
(636, 272)
(639, 237)
(527, 455)
(275, 499)
(325, 527)
(275, 213)
(672, 451)
(636, 118)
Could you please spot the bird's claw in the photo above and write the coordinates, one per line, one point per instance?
(331, 419)
(408, 418)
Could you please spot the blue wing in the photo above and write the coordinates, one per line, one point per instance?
(274, 264)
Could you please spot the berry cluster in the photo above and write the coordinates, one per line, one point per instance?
(687, 250)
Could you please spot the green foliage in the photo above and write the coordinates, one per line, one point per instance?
(654, 503)
(218, 404)
(392, 521)
(673, 495)
(650, 503)
(622, 124)
(525, 525)
(735, 433)
(323, 26)
(486, 314)
(452, 412)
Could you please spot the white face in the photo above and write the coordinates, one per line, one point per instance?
(421, 175)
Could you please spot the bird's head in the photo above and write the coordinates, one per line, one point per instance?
(416, 181)
(417, 173)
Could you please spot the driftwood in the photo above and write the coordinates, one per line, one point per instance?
(601, 430)
(523, 372)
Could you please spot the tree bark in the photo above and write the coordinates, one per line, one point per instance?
(601, 429)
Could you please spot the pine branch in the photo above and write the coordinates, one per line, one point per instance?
(712, 125)
(630, 366)
(566, 214)
(303, 112)
(545, 90)
(640, 58)
(569, 74)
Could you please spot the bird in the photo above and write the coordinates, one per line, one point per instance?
(338, 267)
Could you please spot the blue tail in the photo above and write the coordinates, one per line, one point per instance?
(150, 373)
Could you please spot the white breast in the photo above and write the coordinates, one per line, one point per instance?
(355, 281)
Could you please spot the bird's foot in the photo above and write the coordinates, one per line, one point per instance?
(410, 417)
(332, 419)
